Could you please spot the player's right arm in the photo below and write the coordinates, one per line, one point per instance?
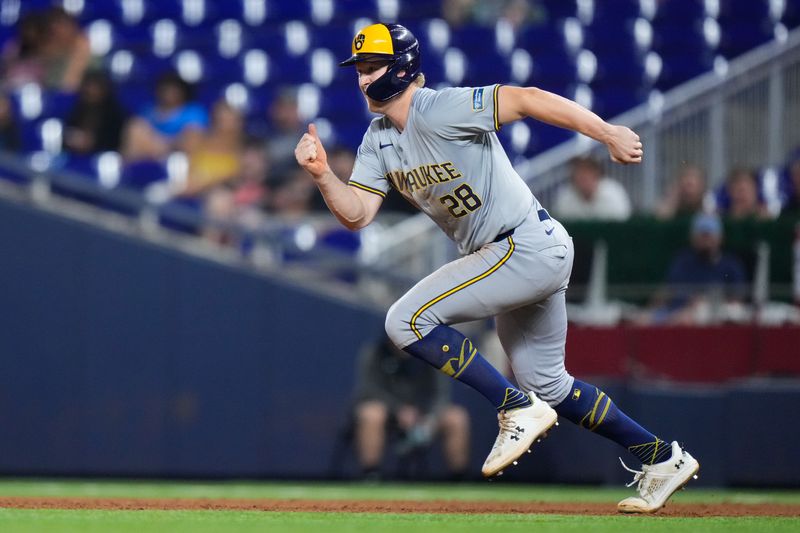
(354, 208)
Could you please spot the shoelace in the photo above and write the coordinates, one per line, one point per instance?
(507, 425)
(638, 476)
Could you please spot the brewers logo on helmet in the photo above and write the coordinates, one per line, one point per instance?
(387, 42)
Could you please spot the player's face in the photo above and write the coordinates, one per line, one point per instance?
(368, 72)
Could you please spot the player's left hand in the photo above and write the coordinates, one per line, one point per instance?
(623, 145)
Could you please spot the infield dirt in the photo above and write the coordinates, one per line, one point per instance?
(389, 506)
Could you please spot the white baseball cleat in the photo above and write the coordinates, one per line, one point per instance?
(659, 481)
(519, 429)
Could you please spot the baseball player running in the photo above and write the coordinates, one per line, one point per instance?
(440, 151)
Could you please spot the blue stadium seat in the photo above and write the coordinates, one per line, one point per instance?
(336, 37)
(270, 38)
(560, 9)
(743, 25)
(487, 67)
(542, 39)
(671, 36)
(140, 174)
(473, 39)
(622, 70)
(791, 15)
(30, 135)
(554, 68)
(134, 97)
(679, 11)
(610, 102)
(610, 11)
(752, 10)
(681, 67)
(617, 36)
(342, 104)
(291, 10)
(739, 37)
(547, 136)
(158, 9)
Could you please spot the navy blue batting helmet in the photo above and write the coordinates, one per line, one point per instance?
(387, 42)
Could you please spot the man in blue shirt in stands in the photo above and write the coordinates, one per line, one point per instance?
(701, 276)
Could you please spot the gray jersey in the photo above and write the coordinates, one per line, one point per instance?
(449, 163)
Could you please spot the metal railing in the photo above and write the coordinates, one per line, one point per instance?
(744, 113)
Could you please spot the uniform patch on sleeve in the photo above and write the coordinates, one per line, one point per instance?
(477, 99)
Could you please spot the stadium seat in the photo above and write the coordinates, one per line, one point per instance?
(542, 39)
(560, 9)
(679, 11)
(609, 11)
(140, 174)
(740, 36)
(791, 14)
(610, 102)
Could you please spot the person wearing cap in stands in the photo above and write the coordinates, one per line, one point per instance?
(702, 277)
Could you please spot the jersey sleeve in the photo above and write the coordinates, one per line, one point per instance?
(460, 111)
(367, 171)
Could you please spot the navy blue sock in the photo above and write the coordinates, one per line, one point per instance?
(591, 408)
(453, 353)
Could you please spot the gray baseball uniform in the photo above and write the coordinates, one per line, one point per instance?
(449, 162)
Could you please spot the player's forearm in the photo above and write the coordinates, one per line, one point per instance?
(558, 111)
(342, 201)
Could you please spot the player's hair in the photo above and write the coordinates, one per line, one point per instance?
(420, 81)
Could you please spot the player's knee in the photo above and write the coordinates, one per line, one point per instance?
(397, 325)
(551, 388)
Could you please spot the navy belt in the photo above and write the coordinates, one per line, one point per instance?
(503, 236)
(543, 215)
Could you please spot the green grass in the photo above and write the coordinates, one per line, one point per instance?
(91, 521)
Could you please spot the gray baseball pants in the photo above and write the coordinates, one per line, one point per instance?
(521, 281)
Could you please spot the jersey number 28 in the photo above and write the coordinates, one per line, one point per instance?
(462, 201)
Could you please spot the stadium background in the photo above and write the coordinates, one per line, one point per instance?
(131, 346)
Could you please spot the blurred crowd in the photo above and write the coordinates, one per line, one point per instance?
(237, 174)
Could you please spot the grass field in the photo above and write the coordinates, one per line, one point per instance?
(91, 520)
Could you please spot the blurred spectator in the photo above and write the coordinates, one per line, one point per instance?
(22, 56)
(217, 155)
(286, 127)
(685, 196)
(242, 200)
(9, 130)
(741, 188)
(457, 13)
(792, 206)
(395, 393)
(172, 123)
(95, 122)
(704, 283)
(65, 51)
(590, 195)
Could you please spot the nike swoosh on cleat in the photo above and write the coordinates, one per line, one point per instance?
(549, 231)
(385, 145)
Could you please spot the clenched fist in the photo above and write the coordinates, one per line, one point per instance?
(310, 153)
(623, 145)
